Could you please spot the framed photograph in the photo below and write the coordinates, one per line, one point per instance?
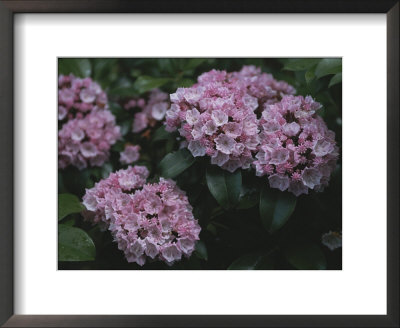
(209, 164)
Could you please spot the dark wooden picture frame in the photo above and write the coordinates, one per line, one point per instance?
(10, 7)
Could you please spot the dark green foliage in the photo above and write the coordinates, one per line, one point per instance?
(275, 208)
(305, 256)
(68, 204)
(175, 163)
(74, 244)
(224, 186)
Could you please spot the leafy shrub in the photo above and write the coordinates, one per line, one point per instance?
(246, 219)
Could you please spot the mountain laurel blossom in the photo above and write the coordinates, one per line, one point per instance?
(156, 223)
(103, 198)
(87, 141)
(88, 128)
(217, 116)
(297, 151)
(146, 220)
(130, 154)
(77, 96)
(151, 112)
(332, 240)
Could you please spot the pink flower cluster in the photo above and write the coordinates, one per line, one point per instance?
(89, 128)
(151, 112)
(112, 192)
(129, 155)
(297, 151)
(87, 141)
(157, 223)
(154, 222)
(217, 116)
(76, 96)
(263, 86)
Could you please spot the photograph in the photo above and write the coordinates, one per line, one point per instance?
(199, 163)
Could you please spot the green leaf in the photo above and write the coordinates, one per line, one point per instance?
(78, 67)
(306, 256)
(204, 206)
(224, 186)
(184, 83)
(116, 109)
(248, 200)
(245, 262)
(123, 88)
(301, 64)
(147, 83)
(194, 62)
(211, 228)
(68, 204)
(75, 180)
(118, 146)
(98, 236)
(265, 262)
(253, 261)
(328, 66)
(275, 208)
(169, 145)
(70, 221)
(193, 263)
(126, 127)
(106, 169)
(337, 78)
(161, 134)
(194, 192)
(102, 67)
(61, 187)
(175, 163)
(136, 73)
(309, 76)
(123, 91)
(168, 65)
(74, 244)
(201, 250)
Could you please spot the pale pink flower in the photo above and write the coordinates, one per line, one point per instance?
(88, 149)
(62, 112)
(219, 118)
(311, 177)
(192, 116)
(219, 158)
(152, 110)
(233, 129)
(323, 147)
(279, 156)
(140, 122)
(158, 110)
(280, 182)
(210, 128)
(196, 148)
(130, 154)
(332, 240)
(225, 144)
(291, 129)
(87, 95)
